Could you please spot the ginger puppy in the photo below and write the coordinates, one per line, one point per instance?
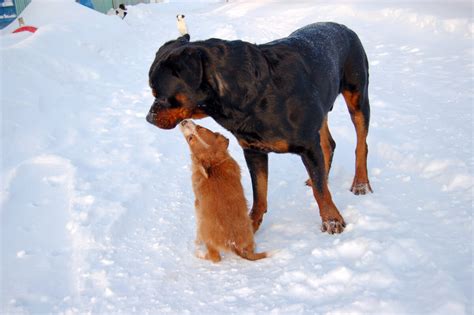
(221, 209)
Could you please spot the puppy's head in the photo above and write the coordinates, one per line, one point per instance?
(180, 17)
(206, 146)
(175, 79)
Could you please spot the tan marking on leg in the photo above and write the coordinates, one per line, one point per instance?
(324, 136)
(360, 184)
(332, 220)
(260, 205)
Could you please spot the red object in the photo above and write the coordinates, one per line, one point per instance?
(31, 29)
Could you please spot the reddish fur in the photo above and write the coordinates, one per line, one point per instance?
(223, 223)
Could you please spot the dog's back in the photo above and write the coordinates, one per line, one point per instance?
(333, 56)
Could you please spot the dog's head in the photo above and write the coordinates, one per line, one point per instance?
(180, 17)
(187, 78)
(175, 78)
(206, 146)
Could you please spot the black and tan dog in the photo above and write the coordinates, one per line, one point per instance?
(273, 97)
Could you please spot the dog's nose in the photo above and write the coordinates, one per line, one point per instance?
(150, 117)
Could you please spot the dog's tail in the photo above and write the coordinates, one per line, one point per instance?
(249, 255)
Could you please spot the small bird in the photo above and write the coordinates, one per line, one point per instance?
(183, 30)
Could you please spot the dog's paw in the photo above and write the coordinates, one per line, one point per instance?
(333, 226)
(308, 182)
(361, 188)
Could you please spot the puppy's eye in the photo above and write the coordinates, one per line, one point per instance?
(198, 127)
(190, 137)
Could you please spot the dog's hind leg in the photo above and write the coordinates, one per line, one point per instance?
(358, 105)
(355, 89)
(257, 163)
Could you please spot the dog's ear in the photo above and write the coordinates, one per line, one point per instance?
(186, 64)
(167, 49)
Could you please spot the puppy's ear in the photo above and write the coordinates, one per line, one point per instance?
(223, 141)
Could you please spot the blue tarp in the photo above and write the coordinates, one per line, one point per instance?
(87, 3)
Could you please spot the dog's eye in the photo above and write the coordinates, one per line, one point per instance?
(174, 102)
(190, 138)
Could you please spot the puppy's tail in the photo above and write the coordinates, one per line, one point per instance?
(249, 255)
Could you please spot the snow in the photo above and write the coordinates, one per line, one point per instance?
(97, 207)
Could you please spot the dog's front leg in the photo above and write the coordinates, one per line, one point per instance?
(257, 163)
(313, 159)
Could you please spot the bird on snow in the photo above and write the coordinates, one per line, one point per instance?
(183, 30)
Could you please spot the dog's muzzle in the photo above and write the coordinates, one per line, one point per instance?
(161, 116)
(151, 118)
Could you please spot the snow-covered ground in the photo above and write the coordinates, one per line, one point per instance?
(96, 204)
